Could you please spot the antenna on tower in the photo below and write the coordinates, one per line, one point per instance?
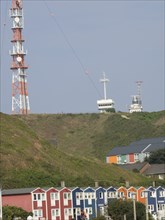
(104, 81)
(105, 105)
(139, 89)
(136, 105)
(20, 99)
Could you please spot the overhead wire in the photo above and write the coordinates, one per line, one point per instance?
(71, 47)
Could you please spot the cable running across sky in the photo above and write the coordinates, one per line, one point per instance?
(71, 47)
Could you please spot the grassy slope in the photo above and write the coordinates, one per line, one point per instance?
(33, 146)
(93, 135)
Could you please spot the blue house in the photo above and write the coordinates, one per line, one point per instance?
(101, 200)
(90, 202)
(160, 196)
(111, 194)
(152, 201)
(77, 202)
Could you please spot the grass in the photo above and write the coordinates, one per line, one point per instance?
(42, 150)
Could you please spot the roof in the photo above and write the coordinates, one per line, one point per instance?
(155, 169)
(18, 191)
(138, 166)
(145, 145)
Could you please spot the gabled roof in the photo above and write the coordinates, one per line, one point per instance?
(155, 169)
(18, 191)
(138, 166)
(145, 145)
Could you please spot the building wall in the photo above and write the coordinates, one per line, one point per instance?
(123, 159)
(23, 201)
(131, 158)
(113, 159)
(90, 200)
(140, 195)
(52, 204)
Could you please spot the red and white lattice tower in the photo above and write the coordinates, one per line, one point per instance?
(20, 99)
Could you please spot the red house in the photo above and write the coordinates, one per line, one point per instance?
(30, 199)
(53, 203)
(66, 204)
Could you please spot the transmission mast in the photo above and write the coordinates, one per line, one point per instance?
(136, 105)
(20, 99)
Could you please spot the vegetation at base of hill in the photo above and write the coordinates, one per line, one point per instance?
(156, 157)
(12, 212)
(43, 150)
(117, 208)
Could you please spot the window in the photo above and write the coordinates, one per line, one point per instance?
(152, 194)
(67, 195)
(129, 195)
(142, 194)
(78, 211)
(34, 197)
(111, 195)
(38, 196)
(55, 212)
(100, 195)
(37, 213)
(151, 207)
(43, 196)
(162, 193)
(52, 196)
(136, 157)
(88, 211)
(77, 195)
(161, 206)
(81, 195)
(121, 194)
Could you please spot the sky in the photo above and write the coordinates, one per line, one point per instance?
(71, 43)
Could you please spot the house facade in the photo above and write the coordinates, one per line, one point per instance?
(65, 203)
(136, 152)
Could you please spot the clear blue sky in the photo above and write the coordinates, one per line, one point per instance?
(125, 39)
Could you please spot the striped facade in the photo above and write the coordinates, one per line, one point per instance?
(67, 203)
(136, 152)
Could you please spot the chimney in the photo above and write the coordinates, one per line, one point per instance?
(154, 183)
(62, 183)
(127, 184)
(96, 184)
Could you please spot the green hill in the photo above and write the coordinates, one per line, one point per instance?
(44, 149)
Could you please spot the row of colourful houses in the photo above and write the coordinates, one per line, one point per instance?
(65, 203)
(136, 152)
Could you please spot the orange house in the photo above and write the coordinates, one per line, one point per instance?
(140, 195)
(112, 159)
(122, 192)
(132, 193)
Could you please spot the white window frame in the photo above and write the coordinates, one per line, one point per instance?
(152, 194)
(55, 212)
(161, 207)
(39, 197)
(162, 193)
(151, 207)
(38, 213)
(142, 194)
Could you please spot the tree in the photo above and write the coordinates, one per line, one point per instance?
(9, 212)
(156, 157)
(117, 208)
